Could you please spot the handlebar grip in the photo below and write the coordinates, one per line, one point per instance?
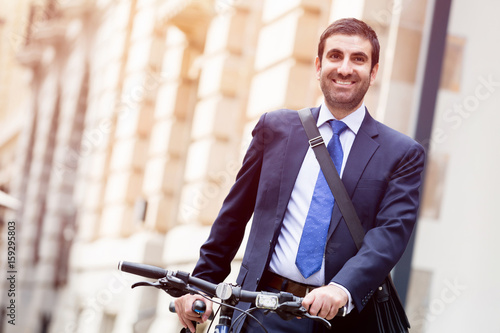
(342, 312)
(148, 271)
(196, 304)
(198, 307)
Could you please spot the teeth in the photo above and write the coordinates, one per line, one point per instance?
(343, 82)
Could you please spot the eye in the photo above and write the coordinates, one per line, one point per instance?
(335, 56)
(359, 59)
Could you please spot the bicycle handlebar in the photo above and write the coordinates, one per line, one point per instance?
(159, 273)
(223, 291)
(148, 271)
(178, 283)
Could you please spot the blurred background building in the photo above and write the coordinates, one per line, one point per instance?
(124, 122)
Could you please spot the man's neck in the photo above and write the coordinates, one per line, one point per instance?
(339, 113)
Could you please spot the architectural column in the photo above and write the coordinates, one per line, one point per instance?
(26, 231)
(39, 164)
(106, 103)
(170, 133)
(109, 104)
(284, 74)
(400, 26)
(214, 156)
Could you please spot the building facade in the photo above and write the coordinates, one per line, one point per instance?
(124, 122)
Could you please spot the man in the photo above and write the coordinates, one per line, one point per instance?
(381, 171)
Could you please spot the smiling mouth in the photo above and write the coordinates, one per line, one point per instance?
(343, 83)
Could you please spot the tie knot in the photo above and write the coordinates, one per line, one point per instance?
(338, 126)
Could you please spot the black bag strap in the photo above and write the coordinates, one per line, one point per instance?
(350, 216)
(332, 177)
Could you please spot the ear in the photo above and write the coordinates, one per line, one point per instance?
(373, 74)
(317, 64)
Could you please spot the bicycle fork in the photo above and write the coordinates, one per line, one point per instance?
(225, 317)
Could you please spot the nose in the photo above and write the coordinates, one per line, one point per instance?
(345, 67)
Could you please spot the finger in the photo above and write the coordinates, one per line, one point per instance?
(316, 307)
(308, 300)
(183, 323)
(324, 311)
(191, 327)
(332, 313)
(183, 308)
(208, 311)
(194, 317)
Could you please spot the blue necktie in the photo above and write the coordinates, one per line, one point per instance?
(312, 243)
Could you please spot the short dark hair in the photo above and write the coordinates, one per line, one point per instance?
(351, 27)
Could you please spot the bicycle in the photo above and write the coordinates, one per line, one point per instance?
(179, 283)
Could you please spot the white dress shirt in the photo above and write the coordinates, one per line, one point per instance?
(283, 259)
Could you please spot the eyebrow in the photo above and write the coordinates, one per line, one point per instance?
(333, 51)
(356, 54)
(360, 54)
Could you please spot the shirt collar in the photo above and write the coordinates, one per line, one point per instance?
(353, 120)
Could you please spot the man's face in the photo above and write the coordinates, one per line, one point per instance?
(345, 72)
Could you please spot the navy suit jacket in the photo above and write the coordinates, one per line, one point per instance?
(382, 176)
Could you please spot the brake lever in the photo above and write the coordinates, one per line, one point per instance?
(162, 283)
(147, 284)
(289, 310)
(172, 286)
(325, 322)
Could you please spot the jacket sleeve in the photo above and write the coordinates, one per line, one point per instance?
(228, 229)
(394, 221)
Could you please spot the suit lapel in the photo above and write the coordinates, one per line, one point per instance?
(362, 150)
(295, 151)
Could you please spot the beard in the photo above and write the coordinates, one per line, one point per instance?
(339, 99)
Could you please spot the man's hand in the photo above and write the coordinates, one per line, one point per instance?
(184, 310)
(325, 301)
